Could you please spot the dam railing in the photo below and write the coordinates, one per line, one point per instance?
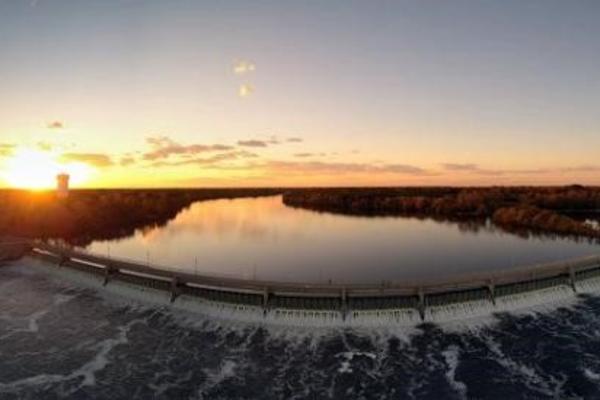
(418, 297)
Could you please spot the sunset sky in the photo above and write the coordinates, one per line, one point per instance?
(143, 93)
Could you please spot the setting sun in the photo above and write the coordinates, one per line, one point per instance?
(37, 170)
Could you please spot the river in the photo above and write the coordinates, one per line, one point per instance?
(264, 239)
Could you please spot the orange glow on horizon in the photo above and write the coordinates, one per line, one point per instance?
(37, 170)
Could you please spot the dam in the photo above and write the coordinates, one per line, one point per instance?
(330, 304)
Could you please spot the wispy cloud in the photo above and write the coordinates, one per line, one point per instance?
(273, 140)
(460, 167)
(245, 90)
(319, 167)
(126, 161)
(252, 143)
(55, 125)
(581, 168)
(212, 160)
(243, 67)
(304, 155)
(294, 140)
(45, 146)
(478, 170)
(470, 168)
(164, 147)
(94, 159)
(6, 149)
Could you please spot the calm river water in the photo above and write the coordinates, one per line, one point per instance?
(264, 239)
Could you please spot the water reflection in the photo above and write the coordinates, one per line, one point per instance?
(262, 238)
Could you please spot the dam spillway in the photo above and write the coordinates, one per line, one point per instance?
(331, 304)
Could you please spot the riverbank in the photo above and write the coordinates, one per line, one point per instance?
(88, 215)
(520, 210)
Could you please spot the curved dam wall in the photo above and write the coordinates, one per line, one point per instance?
(340, 304)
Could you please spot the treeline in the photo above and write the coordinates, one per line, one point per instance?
(539, 220)
(89, 215)
(532, 208)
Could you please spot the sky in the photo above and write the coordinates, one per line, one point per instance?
(148, 93)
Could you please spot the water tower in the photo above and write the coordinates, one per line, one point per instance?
(62, 185)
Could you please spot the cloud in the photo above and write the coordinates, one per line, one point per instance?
(319, 167)
(478, 170)
(55, 125)
(245, 90)
(304, 155)
(471, 168)
(45, 146)
(164, 147)
(294, 140)
(126, 160)
(243, 67)
(273, 140)
(460, 167)
(581, 168)
(213, 160)
(6, 149)
(95, 159)
(252, 143)
(160, 141)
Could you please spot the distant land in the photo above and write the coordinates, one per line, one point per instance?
(521, 210)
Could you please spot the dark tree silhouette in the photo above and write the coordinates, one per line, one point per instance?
(539, 209)
(88, 215)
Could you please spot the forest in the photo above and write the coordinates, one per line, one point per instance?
(546, 210)
(88, 215)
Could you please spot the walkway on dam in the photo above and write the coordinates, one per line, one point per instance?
(343, 299)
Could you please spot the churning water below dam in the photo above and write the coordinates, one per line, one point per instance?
(63, 338)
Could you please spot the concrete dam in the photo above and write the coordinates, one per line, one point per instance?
(327, 304)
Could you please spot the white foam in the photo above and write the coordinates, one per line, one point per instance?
(532, 302)
(551, 295)
(348, 356)
(591, 375)
(100, 360)
(86, 371)
(459, 311)
(31, 322)
(225, 371)
(451, 358)
(524, 373)
(379, 318)
(591, 285)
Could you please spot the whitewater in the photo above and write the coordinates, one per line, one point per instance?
(64, 337)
